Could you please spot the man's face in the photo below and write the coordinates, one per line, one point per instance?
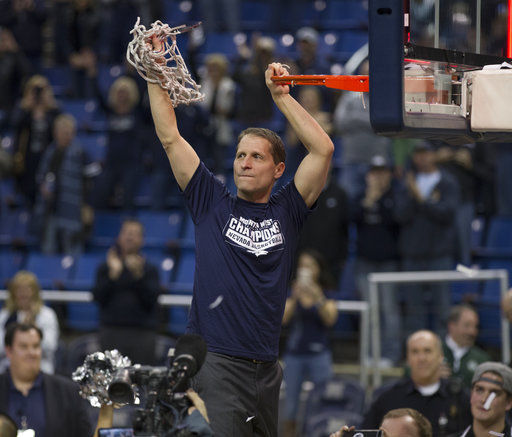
(64, 132)
(25, 355)
(465, 330)
(506, 305)
(424, 358)
(254, 169)
(23, 296)
(424, 160)
(130, 237)
(479, 394)
(399, 427)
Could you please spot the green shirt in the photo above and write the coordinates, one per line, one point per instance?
(468, 363)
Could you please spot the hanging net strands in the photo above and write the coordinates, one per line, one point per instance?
(166, 66)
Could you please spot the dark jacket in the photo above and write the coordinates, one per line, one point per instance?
(427, 228)
(66, 411)
(127, 301)
(377, 229)
(449, 402)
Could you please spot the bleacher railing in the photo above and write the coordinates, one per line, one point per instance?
(168, 300)
(375, 279)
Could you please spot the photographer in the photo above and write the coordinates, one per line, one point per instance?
(196, 421)
(398, 423)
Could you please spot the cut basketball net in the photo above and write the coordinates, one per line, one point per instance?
(165, 67)
(356, 83)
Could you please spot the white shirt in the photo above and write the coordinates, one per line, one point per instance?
(458, 352)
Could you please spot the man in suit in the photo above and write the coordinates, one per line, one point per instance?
(48, 404)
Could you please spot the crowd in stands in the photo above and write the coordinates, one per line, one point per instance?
(78, 154)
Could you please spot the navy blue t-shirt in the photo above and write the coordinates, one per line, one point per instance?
(244, 253)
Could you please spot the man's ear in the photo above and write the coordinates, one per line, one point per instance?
(279, 170)
(8, 351)
(509, 402)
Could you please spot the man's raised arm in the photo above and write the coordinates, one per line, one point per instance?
(183, 158)
(311, 175)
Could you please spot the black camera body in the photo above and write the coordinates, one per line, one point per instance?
(161, 389)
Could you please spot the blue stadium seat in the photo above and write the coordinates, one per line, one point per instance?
(184, 279)
(219, 43)
(183, 284)
(59, 77)
(86, 113)
(177, 12)
(107, 74)
(84, 273)
(255, 15)
(83, 316)
(350, 41)
(106, 227)
(188, 236)
(15, 227)
(500, 233)
(10, 262)
(52, 271)
(164, 262)
(490, 324)
(344, 14)
(161, 228)
(94, 146)
(491, 289)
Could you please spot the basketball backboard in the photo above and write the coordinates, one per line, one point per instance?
(426, 60)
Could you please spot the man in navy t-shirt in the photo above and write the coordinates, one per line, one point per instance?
(244, 250)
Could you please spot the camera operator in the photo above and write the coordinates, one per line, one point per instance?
(196, 421)
(398, 423)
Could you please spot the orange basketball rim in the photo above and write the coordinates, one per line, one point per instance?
(340, 82)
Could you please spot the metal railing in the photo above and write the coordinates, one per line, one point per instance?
(168, 300)
(375, 279)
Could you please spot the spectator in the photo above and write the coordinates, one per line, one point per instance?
(219, 101)
(445, 405)
(460, 353)
(377, 250)
(459, 162)
(25, 19)
(400, 423)
(360, 143)
(326, 228)
(79, 21)
(491, 399)
(310, 314)
(14, 70)
(121, 167)
(254, 104)
(58, 211)
(506, 305)
(33, 123)
(425, 209)
(126, 291)
(24, 305)
(309, 60)
(49, 405)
